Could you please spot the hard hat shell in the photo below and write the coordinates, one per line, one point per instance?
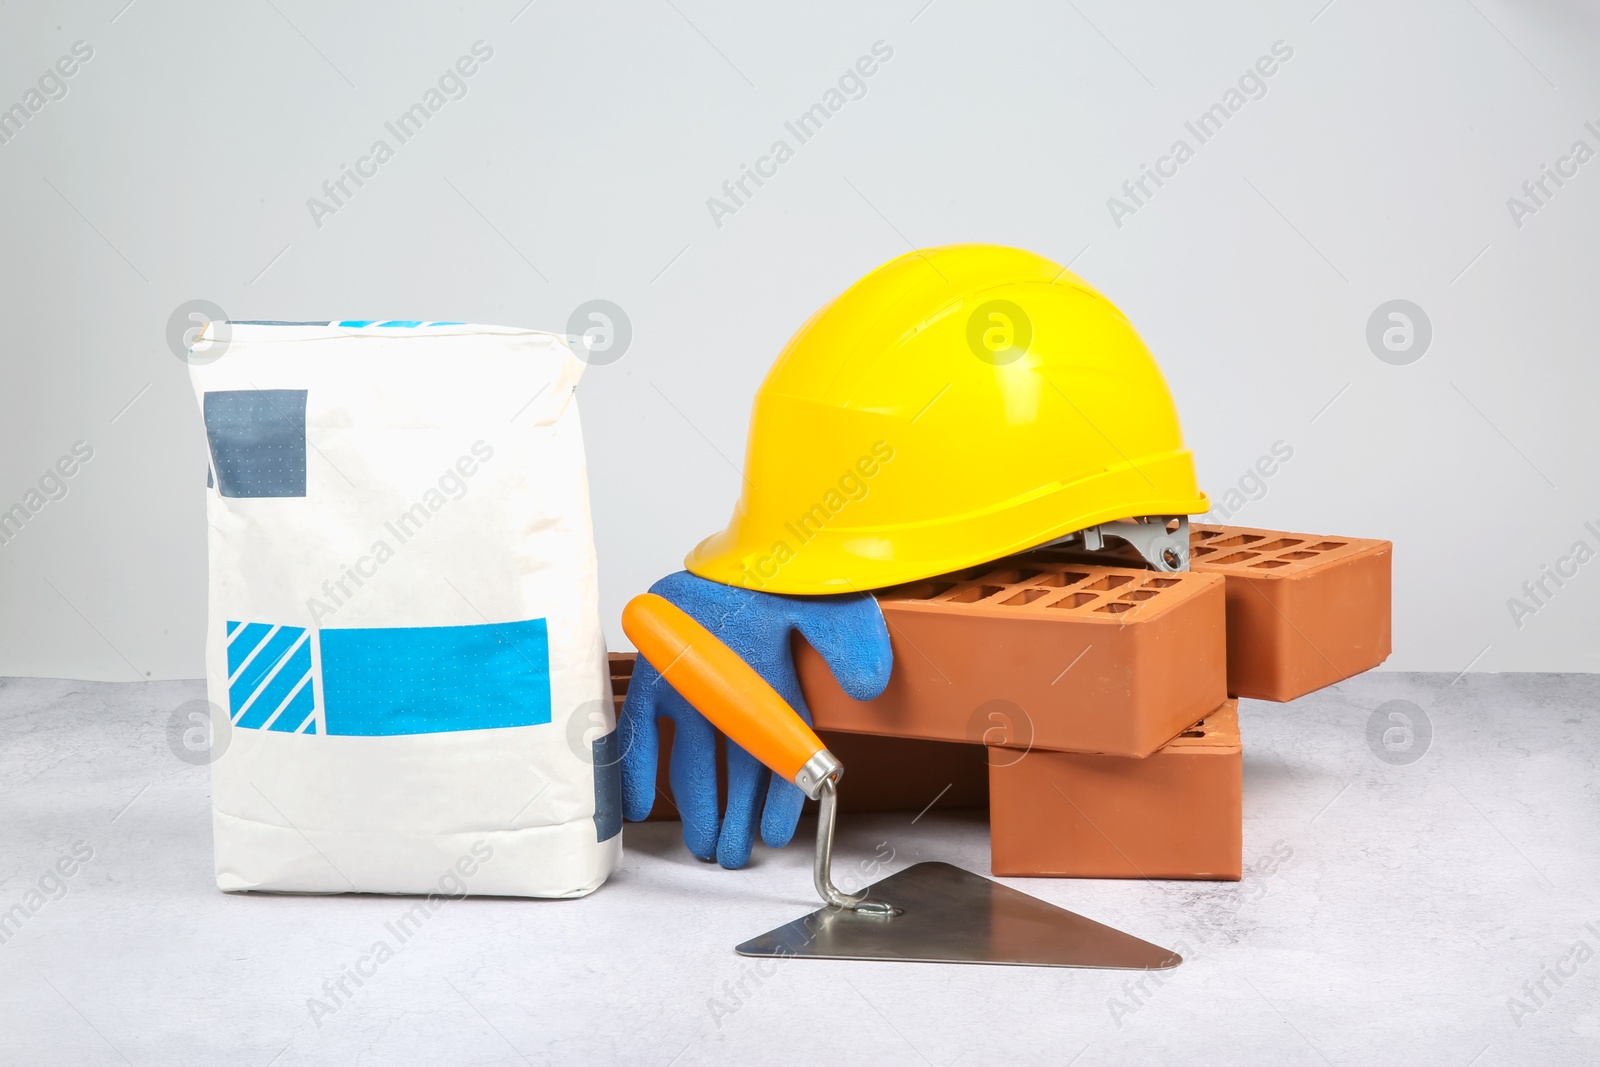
(954, 406)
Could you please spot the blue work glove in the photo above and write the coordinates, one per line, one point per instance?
(847, 630)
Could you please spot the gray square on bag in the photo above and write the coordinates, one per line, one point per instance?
(258, 441)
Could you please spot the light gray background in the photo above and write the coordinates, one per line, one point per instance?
(578, 166)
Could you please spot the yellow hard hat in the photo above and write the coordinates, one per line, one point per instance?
(954, 406)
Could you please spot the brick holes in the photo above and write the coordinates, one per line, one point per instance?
(1035, 580)
(1279, 546)
(1012, 575)
(1061, 578)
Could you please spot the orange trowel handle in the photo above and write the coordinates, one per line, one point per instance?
(728, 691)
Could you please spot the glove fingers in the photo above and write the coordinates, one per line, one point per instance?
(637, 734)
(781, 814)
(850, 633)
(746, 780)
(693, 773)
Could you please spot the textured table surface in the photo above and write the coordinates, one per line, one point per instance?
(1439, 911)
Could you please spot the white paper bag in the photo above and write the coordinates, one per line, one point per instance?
(404, 646)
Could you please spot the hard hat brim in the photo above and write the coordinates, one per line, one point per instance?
(838, 557)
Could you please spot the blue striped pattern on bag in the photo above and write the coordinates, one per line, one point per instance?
(269, 678)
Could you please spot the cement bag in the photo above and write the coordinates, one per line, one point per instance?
(404, 652)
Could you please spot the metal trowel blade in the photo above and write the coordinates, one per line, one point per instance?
(949, 915)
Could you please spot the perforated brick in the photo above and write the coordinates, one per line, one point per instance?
(1304, 610)
(1037, 651)
(1176, 814)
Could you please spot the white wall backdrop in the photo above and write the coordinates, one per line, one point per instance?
(1374, 164)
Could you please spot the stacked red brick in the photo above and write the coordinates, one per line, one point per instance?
(1102, 692)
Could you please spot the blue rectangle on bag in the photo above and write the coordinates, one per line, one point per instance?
(435, 679)
(258, 441)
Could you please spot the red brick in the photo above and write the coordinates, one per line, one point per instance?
(1304, 611)
(1174, 815)
(1034, 651)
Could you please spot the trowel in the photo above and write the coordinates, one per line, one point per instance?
(929, 912)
